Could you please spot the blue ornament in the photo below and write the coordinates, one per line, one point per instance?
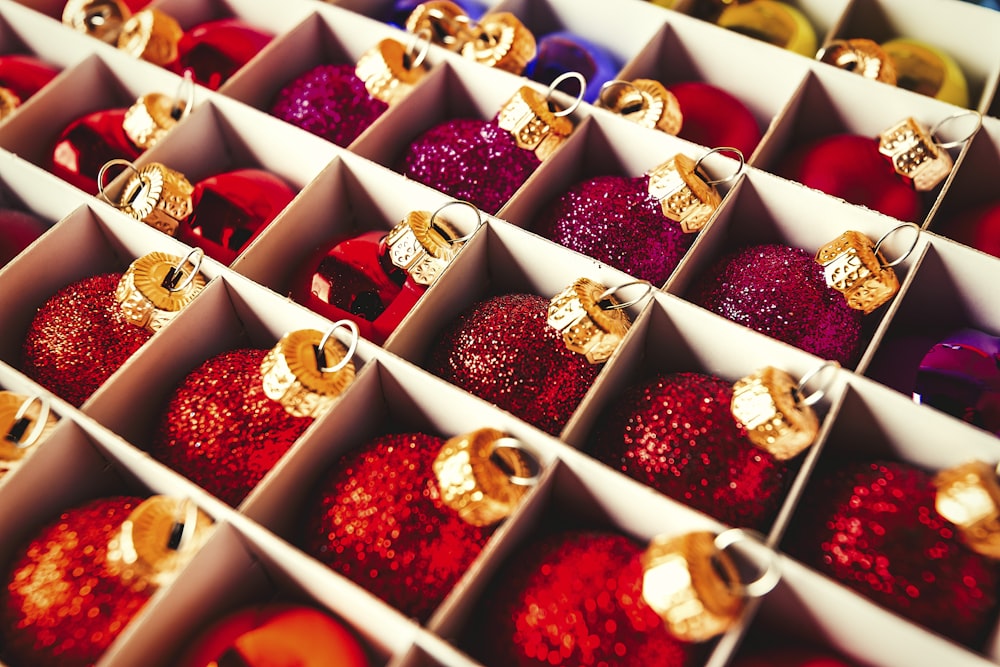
(561, 52)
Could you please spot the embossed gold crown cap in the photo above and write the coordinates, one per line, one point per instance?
(864, 57)
(915, 155)
(390, 71)
(101, 19)
(501, 41)
(533, 123)
(154, 194)
(684, 192)
(969, 497)
(853, 266)
(24, 422)
(157, 286)
(769, 406)
(591, 321)
(446, 22)
(150, 117)
(645, 102)
(152, 35)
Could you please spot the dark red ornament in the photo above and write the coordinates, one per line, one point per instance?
(978, 227)
(21, 76)
(791, 657)
(713, 117)
(874, 528)
(574, 598)
(378, 518)
(88, 143)
(18, 230)
(213, 51)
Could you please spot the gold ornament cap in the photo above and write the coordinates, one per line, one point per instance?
(501, 41)
(158, 196)
(863, 57)
(25, 421)
(768, 405)
(9, 102)
(915, 155)
(969, 497)
(645, 102)
(853, 266)
(151, 35)
(423, 243)
(149, 119)
(533, 124)
(447, 23)
(684, 192)
(587, 325)
(156, 287)
(389, 71)
(307, 370)
(473, 484)
(101, 19)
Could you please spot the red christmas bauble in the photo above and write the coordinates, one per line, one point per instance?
(978, 227)
(79, 338)
(503, 350)
(18, 230)
(213, 51)
(850, 167)
(874, 528)
(782, 292)
(24, 75)
(790, 657)
(221, 430)
(714, 118)
(377, 517)
(677, 434)
(574, 598)
(64, 603)
(88, 143)
(273, 635)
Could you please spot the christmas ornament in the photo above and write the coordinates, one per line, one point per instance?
(25, 421)
(719, 448)
(82, 578)
(21, 76)
(83, 333)
(989, 4)
(402, 9)
(861, 56)
(221, 214)
(101, 19)
(18, 230)
(978, 227)
(879, 528)
(374, 278)
(961, 376)
(485, 162)
(234, 416)
(276, 634)
(563, 51)
(406, 514)
(791, 657)
(531, 356)
(776, 23)
(643, 225)
(927, 70)
(339, 102)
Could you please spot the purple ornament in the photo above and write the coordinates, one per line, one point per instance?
(615, 220)
(329, 101)
(782, 292)
(961, 376)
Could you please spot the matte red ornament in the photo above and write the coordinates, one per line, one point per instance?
(18, 230)
(677, 434)
(88, 143)
(377, 517)
(713, 117)
(63, 602)
(574, 598)
(791, 657)
(215, 50)
(271, 635)
(24, 75)
(874, 528)
(79, 338)
(782, 292)
(503, 350)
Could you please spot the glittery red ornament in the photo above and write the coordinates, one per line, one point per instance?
(790, 657)
(221, 430)
(213, 51)
(782, 292)
(713, 117)
(677, 434)
(18, 230)
(23, 76)
(64, 603)
(574, 599)
(503, 350)
(874, 528)
(88, 143)
(377, 517)
(79, 338)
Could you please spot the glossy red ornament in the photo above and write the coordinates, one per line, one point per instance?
(63, 602)
(18, 230)
(574, 598)
(22, 76)
(503, 350)
(272, 635)
(378, 518)
(88, 143)
(791, 657)
(213, 51)
(850, 167)
(978, 227)
(874, 528)
(713, 117)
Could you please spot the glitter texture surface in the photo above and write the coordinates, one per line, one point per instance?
(79, 338)
(676, 433)
(471, 160)
(377, 518)
(329, 101)
(781, 292)
(574, 599)
(874, 528)
(504, 351)
(615, 220)
(63, 603)
(221, 431)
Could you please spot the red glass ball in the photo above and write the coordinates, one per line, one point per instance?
(24, 75)
(87, 144)
(213, 51)
(574, 598)
(377, 518)
(220, 430)
(18, 230)
(63, 602)
(503, 350)
(713, 117)
(978, 227)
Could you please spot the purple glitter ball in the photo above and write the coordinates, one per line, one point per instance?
(615, 220)
(781, 292)
(470, 159)
(329, 101)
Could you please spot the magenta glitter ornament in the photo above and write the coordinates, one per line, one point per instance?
(782, 292)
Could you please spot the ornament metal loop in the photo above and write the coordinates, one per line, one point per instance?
(631, 302)
(615, 83)
(909, 250)
(352, 348)
(555, 86)
(40, 423)
(813, 398)
(958, 114)
(104, 170)
(178, 112)
(414, 58)
(527, 454)
(190, 524)
(723, 149)
(170, 281)
(461, 202)
(766, 582)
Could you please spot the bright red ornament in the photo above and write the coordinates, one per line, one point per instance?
(18, 230)
(874, 528)
(378, 518)
(574, 598)
(713, 117)
(21, 76)
(272, 635)
(213, 51)
(790, 657)
(88, 143)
